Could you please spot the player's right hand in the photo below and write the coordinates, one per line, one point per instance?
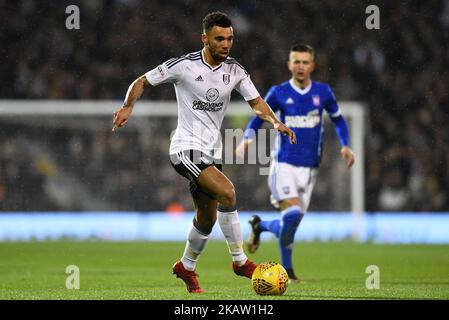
(286, 131)
(347, 154)
(121, 117)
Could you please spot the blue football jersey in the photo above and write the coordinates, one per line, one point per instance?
(302, 111)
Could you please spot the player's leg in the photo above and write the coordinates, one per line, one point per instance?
(292, 212)
(202, 224)
(198, 236)
(205, 217)
(291, 216)
(213, 182)
(282, 184)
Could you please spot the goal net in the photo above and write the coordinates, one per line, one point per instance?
(62, 155)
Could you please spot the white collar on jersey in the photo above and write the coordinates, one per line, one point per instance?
(208, 65)
(301, 91)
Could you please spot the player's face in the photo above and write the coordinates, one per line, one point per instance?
(219, 42)
(301, 65)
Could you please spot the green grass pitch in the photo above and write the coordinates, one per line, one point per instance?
(142, 270)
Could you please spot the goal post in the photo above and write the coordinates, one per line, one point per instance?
(43, 110)
(356, 112)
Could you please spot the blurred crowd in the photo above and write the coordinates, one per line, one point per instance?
(400, 72)
(66, 168)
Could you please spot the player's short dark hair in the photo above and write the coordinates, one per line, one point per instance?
(301, 47)
(216, 18)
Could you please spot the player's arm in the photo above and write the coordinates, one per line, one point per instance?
(343, 135)
(248, 137)
(164, 73)
(134, 92)
(263, 111)
(260, 107)
(341, 128)
(256, 123)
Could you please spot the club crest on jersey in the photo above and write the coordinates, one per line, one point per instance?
(286, 190)
(212, 94)
(226, 78)
(316, 100)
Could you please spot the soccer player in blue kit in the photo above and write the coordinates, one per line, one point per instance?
(300, 103)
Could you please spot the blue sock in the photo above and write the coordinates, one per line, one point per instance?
(272, 226)
(291, 217)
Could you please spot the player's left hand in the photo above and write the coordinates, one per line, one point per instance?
(286, 131)
(347, 154)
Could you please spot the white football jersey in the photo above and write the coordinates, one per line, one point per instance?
(203, 94)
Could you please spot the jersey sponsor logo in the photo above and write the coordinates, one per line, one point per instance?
(309, 121)
(226, 78)
(199, 78)
(289, 101)
(207, 106)
(212, 94)
(316, 100)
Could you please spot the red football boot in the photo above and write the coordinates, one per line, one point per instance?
(246, 270)
(189, 277)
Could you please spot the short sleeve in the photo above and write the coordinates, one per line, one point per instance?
(331, 103)
(246, 87)
(168, 72)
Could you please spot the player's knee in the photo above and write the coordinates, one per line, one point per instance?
(290, 223)
(228, 197)
(292, 218)
(288, 230)
(289, 203)
(205, 225)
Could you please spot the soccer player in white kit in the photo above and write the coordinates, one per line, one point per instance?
(203, 84)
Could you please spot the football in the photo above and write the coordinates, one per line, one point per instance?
(269, 278)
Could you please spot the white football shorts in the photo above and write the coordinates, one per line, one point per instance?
(288, 181)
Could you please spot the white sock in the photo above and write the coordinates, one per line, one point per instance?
(196, 242)
(230, 226)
